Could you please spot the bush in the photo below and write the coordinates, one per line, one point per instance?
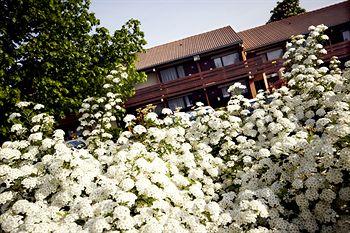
(280, 165)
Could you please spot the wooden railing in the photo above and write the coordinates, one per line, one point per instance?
(340, 50)
(221, 75)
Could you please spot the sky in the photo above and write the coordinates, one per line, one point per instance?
(164, 21)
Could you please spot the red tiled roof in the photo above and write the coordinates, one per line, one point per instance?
(187, 47)
(282, 30)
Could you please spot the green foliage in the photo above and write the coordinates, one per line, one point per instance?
(285, 9)
(54, 53)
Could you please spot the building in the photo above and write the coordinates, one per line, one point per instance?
(202, 67)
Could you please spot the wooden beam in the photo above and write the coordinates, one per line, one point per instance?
(252, 87)
(243, 53)
(265, 82)
(206, 96)
(280, 73)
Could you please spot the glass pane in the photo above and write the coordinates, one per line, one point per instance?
(158, 109)
(230, 59)
(224, 91)
(273, 55)
(260, 85)
(218, 62)
(272, 78)
(151, 80)
(176, 103)
(188, 101)
(346, 35)
(181, 71)
(168, 74)
(190, 68)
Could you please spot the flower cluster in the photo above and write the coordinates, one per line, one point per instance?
(280, 164)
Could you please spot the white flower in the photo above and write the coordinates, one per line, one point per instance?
(323, 70)
(107, 85)
(47, 143)
(199, 104)
(124, 75)
(127, 184)
(35, 128)
(5, 197)
(23, 104)
(17, 128)
(128, 118)
(10, 154)
(299, 57)
(325, 37)
(14, 115)
(35, 137)
(38, 106)
(58, 134)
(108, 107)
(29, 183)
(139, 129)
(167, 111)
(264, 153)
(152, 116)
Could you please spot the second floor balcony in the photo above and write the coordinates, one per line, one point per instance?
(249, 68)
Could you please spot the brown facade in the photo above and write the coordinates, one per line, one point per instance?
(205, 75)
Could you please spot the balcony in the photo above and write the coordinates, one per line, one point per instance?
(219, 76)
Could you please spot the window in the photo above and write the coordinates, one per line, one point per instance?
(272, 78)
(346, 35)
(159, 108)
(218, 62)
(260, 85)
(151, 80)
(180, 71)
(168, 74)
(172, 73)
(230, 59)
(190, 68)
(225, 92)
(275, 54)
(226, 60)
(180, 103)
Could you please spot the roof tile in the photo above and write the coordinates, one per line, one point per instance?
(283, 29)
(187, 47)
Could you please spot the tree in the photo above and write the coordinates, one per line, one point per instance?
(55, 53)
(285, 9)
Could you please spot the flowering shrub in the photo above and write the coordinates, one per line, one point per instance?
(278, 165)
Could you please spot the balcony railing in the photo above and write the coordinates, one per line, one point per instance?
(221, 75)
